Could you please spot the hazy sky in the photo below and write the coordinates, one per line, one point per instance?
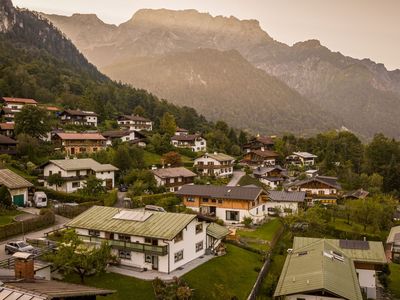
(358, 28)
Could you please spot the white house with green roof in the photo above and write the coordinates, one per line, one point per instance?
(74, 173)
(318, 268)
(147, 239)
(215, 164)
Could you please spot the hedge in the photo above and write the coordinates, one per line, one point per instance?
(69, 197)
(111, 198)
(152, 199)
(16, 228)
(68, 211)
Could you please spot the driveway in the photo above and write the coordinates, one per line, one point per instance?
(59, 223)
(236, 177)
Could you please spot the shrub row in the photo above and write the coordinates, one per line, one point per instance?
(16, 228)
(73, 211)
(152, 199)
(111, 198)
(69, 197)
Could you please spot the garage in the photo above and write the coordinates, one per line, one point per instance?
(16, 185)
(19, 200)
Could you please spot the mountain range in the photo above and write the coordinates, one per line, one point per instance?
(233, 70)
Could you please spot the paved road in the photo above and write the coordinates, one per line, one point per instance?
(60, 222)
(235, 178)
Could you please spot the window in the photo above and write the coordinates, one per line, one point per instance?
(147, 258)
(232, 215)
(179, 237)
(199, 228)
(287, 210)
(78, 173)
(76, 184)
(214, 201)
(253, 203)
(263, 207)
(205, 200)
(271, 209)
(190, 199)
(124, 237)
(154, 242)
(94, 233)
(321, 192)
(257, 211)
(199, 246)
(178, 256)
(50, 173)
(81, 149)
(220, 201)
(125, 254)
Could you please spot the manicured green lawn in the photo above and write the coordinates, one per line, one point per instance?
(248, 180)
(126, 287)
(233, 274)
(7, 217)
(265, 232)
(394, 283)
(151, 158)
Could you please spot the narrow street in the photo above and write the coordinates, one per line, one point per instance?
(235, 178)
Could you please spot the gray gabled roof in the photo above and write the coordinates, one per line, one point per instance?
(81, 164)
(249, 193)
(218, 156)
(331, 181)
(263, 170)
(284, 196)
(173, 172)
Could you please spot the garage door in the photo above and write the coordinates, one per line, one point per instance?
(18, 200)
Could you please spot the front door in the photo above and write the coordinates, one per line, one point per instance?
(18, 200)
(154, 262)
(213, 210)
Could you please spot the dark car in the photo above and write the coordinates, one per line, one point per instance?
(18, 246)
(123, 188)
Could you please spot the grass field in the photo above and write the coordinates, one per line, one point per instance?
(248, 180)
(126, 287)
(394, 283)
(224, 277)
(265, 232)
(6, 217)
(151, 158)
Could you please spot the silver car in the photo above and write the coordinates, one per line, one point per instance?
(18, 246)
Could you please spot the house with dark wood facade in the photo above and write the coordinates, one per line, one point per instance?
(259, 143)
(259, 158)
(173, 178)
(75, 143)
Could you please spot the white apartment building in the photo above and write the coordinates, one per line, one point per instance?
(190, 141)
(74, 173)
(149, 240)
(134, 122)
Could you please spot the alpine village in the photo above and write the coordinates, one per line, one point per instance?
(107, 191)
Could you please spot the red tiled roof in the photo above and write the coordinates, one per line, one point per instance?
(80, 136)
(20, 100)
(7, 126)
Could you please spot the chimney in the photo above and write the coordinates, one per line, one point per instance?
(24, 266)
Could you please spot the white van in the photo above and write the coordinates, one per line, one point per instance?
(40, 199)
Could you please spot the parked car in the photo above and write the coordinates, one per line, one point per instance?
(40, 199)
(18, 246)
(123, 188)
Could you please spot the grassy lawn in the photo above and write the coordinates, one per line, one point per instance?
(126, 287)
(265, 232)
(151, 158)
(394, 283)
(6, 217)
(224, 277)
(248, 180)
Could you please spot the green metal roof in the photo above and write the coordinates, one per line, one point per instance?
(159, 225)
(375, 254)
(217, 231)
(312, 268)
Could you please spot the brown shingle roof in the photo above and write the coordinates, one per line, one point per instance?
(134, 118)
(80, 136)
(173, 172)
(249, 193)
(265, 153)
(58, 289)
(5, 140)
(19, 100)
(187, 137)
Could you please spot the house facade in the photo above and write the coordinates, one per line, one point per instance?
(230, 204)
(11, 106)
(173, 178)
(215, 164)
(7, 129)
(78, 117)
(393, 244)
(284, 202)
(135, 122)
(319, 189)
(190, 141)
(74, 173)
(75, 143)
(148, 240)
(260, 143)
(273, 177)
(260, 158)
(130, 136)
(301, 159)
(16, 185)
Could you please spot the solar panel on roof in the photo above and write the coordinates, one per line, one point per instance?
(354, 244)
(129, 215)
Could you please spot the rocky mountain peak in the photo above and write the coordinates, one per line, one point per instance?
(7, 15)
(309, 44)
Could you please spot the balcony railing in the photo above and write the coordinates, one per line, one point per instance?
(136, 247)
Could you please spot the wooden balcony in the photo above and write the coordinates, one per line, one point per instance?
(123, 245)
